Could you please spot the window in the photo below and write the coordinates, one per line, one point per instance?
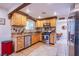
(30, 25)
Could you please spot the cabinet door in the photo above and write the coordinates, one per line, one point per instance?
(20, 43)
(39, 23)
(18, 19)
(35, 38)
(52, 38)
(53, 22)
(23, 20)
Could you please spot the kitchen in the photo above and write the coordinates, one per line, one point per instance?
(37, 24)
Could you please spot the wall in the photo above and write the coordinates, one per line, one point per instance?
(63, 49)
(5, 30)
(59, 29)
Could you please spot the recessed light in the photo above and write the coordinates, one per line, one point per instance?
(39, 17)
(54, 13)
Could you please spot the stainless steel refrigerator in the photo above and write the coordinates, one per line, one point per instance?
(71, 36)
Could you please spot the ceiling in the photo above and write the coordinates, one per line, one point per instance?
(7, 6)
(43, 10)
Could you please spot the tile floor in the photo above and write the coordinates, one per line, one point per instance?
(40, 49)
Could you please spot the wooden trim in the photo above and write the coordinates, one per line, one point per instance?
(18, 8)
(47, 18)
(25, 14)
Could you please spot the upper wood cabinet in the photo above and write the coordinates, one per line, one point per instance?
(39, 23)
(53, 22)
(18, 19)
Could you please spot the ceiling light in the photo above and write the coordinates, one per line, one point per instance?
(55, 13)
(39, 17)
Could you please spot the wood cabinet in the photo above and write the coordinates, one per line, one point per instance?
(40, 36)
(19, 43)
(52, 38)
(35, 38)
(53, 22)
(18, 19)
(39, 23)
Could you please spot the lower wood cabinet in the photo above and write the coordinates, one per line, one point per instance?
(40, 36)
(19, 44)
(52, 38)
(35, 38)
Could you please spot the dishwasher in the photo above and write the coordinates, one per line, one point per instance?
(27, 41)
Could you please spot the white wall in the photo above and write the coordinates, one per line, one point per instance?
(59, 29)
(63, 49)
(5, 30)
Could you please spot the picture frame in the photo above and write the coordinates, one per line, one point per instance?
(2, 21)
